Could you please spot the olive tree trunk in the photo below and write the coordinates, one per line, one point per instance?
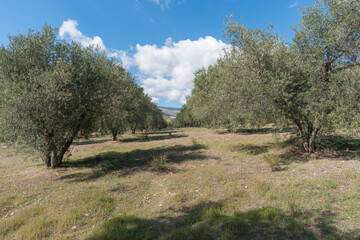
(56, 155)
(54, 159)
(114, 135)
(309, 141)
(308, 133)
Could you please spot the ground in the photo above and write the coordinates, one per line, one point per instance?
(190, 183)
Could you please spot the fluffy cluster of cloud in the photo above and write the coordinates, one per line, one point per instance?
(69, 30)
(166, 72)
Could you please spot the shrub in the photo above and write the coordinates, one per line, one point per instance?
(158, 163)
(272, 160)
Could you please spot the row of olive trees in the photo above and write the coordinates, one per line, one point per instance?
(185, 119)
(312, 83)
(52, 91)
(129, 107)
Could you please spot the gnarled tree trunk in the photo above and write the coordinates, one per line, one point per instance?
(309, 142)
(55, 158)
(308, 134)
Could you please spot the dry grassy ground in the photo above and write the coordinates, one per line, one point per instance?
(183, 184)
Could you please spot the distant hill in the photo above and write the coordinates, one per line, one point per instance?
(170, 111)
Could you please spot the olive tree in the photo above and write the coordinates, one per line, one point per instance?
(137, 109)
(327, 42)
(224, 97)
(313, 82)
(154, 119)
(185, 118)
(121, 95)
(51, 91)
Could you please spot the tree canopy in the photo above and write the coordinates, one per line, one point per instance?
(312, 83)
(53, 91)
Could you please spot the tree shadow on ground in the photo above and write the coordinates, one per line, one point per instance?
(144, 137)
(125, 163)
(342, 147)
(167, 131)
(210, 220)
(293, 155)
(250, 149)
(91, 141)
(250, 131)
(330, 147)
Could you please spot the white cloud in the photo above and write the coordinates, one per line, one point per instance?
(69, 29)
(155, 100)
(168, 71)
(165, 72)
(294, 4)
(121, 54)
(169, 41)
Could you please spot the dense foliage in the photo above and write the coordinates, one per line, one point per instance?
(52, 91)
(129, 107)
(312, 83)
(185, 119)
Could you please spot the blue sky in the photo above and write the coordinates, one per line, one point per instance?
(162, 42)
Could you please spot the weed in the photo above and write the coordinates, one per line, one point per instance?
(159, 163)
(194, 141)
(272, 160)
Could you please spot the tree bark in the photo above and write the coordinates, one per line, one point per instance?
(47, 160)
(309, 140)
(114, 135)
(53, 154)
(133, 130)
(54, 159)
(308, 146)
(64, 149)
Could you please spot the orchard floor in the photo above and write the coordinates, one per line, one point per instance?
(189, 183)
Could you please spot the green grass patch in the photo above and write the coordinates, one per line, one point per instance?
(111, 190)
